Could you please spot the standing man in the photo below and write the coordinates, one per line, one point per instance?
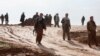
(6, 19)
(46, 19)
(56, 20)
(82, 20)
(22, 19)
(91, 28)
(66, 26)
(35, 17)
(2, 19)
(39, 26)
(50, 19)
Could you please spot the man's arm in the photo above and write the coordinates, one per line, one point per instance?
(69, 24)
(95, 24)
(88, 28)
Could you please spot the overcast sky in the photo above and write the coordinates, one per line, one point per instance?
(75, 8)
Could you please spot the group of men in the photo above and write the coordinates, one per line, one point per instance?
(48, 19)
(66, 26)
(41, 21)
(4, 18)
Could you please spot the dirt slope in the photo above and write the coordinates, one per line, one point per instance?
(22, 37)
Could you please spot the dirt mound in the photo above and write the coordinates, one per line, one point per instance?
(23, 52)
(82, 37)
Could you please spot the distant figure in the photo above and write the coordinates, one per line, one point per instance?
(35, 17)
(22, 19)
(56, 20)
(91, 28)
(82, 20)
(50, 19)
(46, 19)
(39, 26)
(2, 19)
(66, 26)
(6, 19)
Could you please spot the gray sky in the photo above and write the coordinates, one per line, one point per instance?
(75, 8)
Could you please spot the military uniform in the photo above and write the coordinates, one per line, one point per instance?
(22, 19)
(7, 19)
(56, 20)
(39, 26)
(82, 20)
(91, 27)
(2, 19)
(66, 27)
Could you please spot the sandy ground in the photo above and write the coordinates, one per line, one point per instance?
(52, 42)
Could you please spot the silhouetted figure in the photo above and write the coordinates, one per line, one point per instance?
(2, 19)
(66, 26)
(6, 19)
(46, 19)
(56, 20)
(91, 28)
(35, 17)
(50, 19)
(39, 26)
(22, 19)
(82, 20)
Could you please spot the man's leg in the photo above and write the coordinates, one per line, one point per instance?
(40, 36)
(37, 37)
(63, 35)
(6, 22)
(68, 34)
(89, 40)
(95, 40)
(2, 22)
(55, 24)
(40, 39)
(58, 24)
(22, 24)
(82, 22)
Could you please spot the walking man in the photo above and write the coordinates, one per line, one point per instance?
(66, 26)
(39, 26)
